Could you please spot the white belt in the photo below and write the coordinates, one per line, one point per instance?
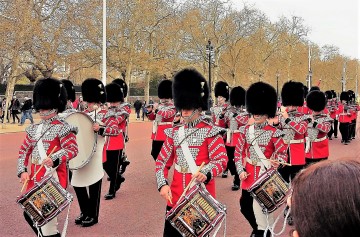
(320, 139)
(345, 114)
(165, 123)
(229, 132)
(253, 162)
(294, 141)
(184, 170)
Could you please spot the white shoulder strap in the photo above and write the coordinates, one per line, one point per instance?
(185, 148)
(260, 154)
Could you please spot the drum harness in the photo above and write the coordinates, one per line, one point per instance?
(42, 153)
(265, 165)
(192, 165)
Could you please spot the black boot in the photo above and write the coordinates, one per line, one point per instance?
(79, 219)
(89, 221)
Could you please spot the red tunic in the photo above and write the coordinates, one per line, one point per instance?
(304, 109)
(317, 134)
(294, 129)
(216, 114)
(344, 114)
(57, 133)
(271, 144)
(234, 119)
(206, 145)
(163, 119)
(332, 107)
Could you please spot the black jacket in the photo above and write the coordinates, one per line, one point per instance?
(27, 105)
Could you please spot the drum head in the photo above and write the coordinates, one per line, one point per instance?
(86, 139)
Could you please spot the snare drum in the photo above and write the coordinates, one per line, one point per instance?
(269, 190)
(86, 138)
(197, 213)
(45, 201)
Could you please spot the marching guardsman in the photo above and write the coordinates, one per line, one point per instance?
(318, 128)
(344, 115)
(221, 91)
(331, 107)
(335, 103)
(235, 117)
(47, 146)
(114, 121)
(125, 127)
(162, 116)
(294, 125)
(189, 144)
(70, 90)
(87, 180)
(354, 109)
(258, 140)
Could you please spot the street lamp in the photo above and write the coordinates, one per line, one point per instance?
(277, 83)
(210, 54)
(309, 79)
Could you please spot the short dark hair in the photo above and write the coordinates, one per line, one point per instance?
(326, 199)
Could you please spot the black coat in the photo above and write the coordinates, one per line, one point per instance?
(137, 105)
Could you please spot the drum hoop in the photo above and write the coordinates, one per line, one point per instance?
(95, 143)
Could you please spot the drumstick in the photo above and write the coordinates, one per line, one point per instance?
(279, 162)
(169, 198)
(24, 185)
(42, 165)
(192, 180)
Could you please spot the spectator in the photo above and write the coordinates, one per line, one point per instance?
(15, 108)
(26, 110)
(137, 106)
(144, 110)
(151, 101)
(3, 108)
(81, 106)
(326, 200)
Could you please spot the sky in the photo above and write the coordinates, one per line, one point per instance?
(333, 22)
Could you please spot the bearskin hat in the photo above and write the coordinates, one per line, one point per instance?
(49, 93)
(334, 95)
(93, 90)
(165, 90)
(113, 93)
(306, 91)
(190, 90)
(344, 96)
(261, 99)
(314, 88)
(222, 89)
(123, 86)
(237, 96)
(316, 101)
(70, 90)
(329, 95)
(292, 93)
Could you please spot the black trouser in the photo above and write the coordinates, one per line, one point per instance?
(352, 129)
(112, 167)
(89, 203)
(230, 150)
(246, 208)
(313, 161)
(333, 129)
(14, 115)
(156, 148)
(344, 130)
(31, 224)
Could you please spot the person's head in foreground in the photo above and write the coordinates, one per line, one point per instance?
(326, 200)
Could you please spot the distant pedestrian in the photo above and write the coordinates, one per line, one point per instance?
(26, 111)
(15, 108)
(137, 106)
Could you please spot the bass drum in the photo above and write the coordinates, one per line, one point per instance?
(86, 139)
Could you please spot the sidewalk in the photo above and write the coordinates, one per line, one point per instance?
(11, 128)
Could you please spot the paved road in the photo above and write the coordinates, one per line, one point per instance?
(137, 209)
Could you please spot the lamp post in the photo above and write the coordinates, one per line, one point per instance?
(277, 84)
(309, 79)
(210, 54)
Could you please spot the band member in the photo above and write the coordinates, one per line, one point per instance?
(162, 116)
(294, 125)
(70, 90)
(318, 128)
(87, 180)
(113, 121)
(49, 99)
(200, 140)
(218, 111)
(354, 109)
(331, 107)
(304, 109)
(235, 117)
(336, 119)
(344, 114)
(258, 140)
(125, 126)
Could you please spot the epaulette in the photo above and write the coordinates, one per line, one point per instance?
(110, 113)
(278, 133)
(169, 132)
(215, 130)
(67, 128)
